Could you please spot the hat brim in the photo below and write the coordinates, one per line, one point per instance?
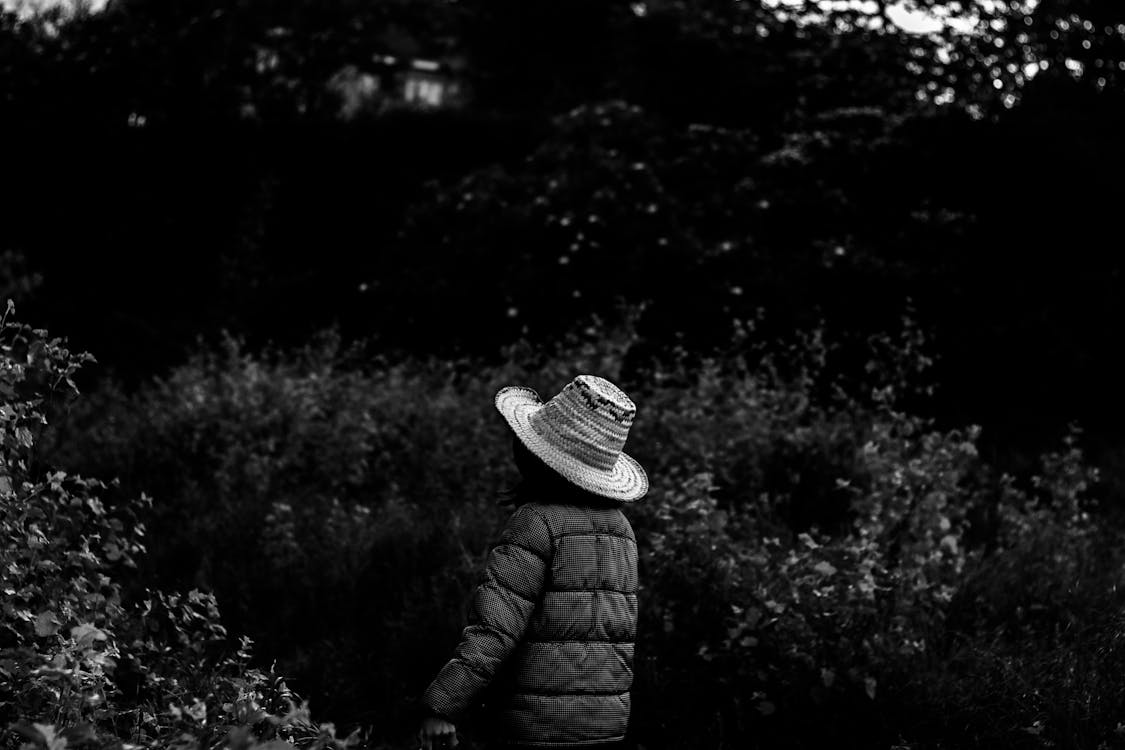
(625, 482)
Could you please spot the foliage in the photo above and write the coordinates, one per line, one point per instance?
(919, 575)
(810, 548)
(736, 62)
(704, 223)
(737, 155)
(319, 481)
(840, 217)
(705, 159)
(80, 661)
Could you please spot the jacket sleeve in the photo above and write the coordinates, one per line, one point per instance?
(501, 608)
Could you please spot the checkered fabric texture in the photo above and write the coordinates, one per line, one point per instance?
(550, 630)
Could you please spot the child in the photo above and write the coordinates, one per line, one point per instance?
(552, 624)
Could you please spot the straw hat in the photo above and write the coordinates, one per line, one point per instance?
(580, 433)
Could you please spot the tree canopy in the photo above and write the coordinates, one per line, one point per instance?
(707, 158)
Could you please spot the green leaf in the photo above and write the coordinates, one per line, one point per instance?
(198, 711)
(46, 624)
(52, 740)
(80, 733)
(86, 635)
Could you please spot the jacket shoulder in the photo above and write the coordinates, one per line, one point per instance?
(527, 527)
(564, 519)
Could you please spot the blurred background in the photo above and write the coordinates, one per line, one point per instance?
(858, 262)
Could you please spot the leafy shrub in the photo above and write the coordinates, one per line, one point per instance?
(867, 614)
(810, 547)
(79, 661)
(335, 503)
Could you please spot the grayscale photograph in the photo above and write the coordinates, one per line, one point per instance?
(562, 375)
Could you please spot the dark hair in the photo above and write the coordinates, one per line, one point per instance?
(540, 483)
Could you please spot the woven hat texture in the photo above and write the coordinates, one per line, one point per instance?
(580, 433)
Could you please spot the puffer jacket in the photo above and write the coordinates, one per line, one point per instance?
(551, 630)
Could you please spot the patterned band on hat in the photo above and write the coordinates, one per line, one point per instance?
(587, 421)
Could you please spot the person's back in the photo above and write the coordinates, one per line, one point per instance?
(549, 646)
(567, 681)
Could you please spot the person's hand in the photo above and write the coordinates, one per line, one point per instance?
(436, 733)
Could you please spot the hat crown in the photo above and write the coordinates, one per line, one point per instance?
(603, 397)
(589, 420)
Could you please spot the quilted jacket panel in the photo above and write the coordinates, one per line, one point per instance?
(550, 630)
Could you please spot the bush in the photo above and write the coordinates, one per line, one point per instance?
(337, 505)
(816, 559)
(906, 607)
(81, 662)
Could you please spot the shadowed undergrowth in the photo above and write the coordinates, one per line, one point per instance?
(816, 561)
